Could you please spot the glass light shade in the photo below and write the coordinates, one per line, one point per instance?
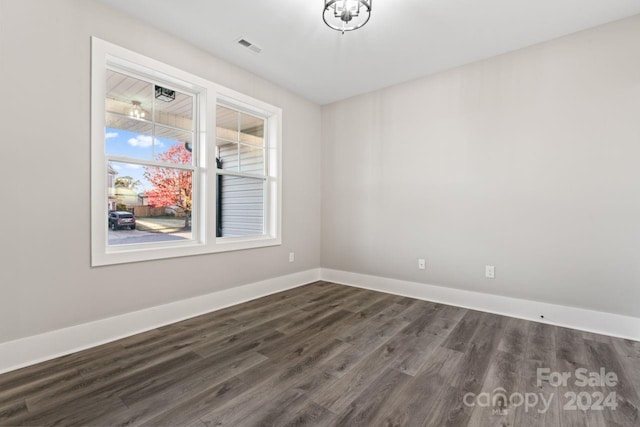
(136, 110)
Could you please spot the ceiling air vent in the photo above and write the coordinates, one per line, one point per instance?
(251, 46)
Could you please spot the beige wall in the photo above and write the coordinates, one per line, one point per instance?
(529, 161)
(46, 281)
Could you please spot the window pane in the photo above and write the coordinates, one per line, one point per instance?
(251, 159)
(173, 146)
(158, 198)
(177, 112)
(242, 206)
(228, 155)
(127, 137)
(251, 130)
(227, 123)
(129, 96)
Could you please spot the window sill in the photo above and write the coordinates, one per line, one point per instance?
(124, 254)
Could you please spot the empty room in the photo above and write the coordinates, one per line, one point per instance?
(320, 213)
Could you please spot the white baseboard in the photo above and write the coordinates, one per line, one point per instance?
(38, 348)
(570, 317)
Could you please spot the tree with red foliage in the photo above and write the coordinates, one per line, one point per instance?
(171, 187)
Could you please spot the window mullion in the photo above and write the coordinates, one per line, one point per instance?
(241, 174)
(238, 144)
(227, 140)
(155, 163)
(154, 120)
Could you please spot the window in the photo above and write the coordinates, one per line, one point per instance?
(180, 165)
(242, 178)
(151, 163)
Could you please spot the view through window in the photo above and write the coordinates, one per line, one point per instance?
(242, 173)
(149, 144)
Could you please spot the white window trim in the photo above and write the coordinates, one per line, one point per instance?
(204, 237)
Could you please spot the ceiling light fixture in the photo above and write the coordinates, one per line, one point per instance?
(346, 15)
(136, 110)
(164, 94)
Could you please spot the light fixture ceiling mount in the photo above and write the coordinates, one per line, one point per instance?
(346, 15)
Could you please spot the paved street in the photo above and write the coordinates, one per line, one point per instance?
(127, 237)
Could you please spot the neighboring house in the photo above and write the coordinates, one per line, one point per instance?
(128, 197)
(111, 179)
(144, 199)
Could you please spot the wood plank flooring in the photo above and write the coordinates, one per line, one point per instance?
(332, 355)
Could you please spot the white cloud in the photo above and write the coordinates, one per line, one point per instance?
(144, 141)
(129, 166)
(116, 167)
(109, 135)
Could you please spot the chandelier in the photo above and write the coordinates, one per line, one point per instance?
(346, 15)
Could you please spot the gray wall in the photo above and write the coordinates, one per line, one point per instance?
(46, 281)
(529, 161)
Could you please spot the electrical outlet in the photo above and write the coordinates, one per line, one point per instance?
(292, 256)
(422, 264)
(489, 272)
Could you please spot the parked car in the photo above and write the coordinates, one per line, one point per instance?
(121, 219)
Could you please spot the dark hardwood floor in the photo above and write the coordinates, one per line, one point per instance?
(325, 354)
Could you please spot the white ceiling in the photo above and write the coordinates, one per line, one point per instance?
(404, 39)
